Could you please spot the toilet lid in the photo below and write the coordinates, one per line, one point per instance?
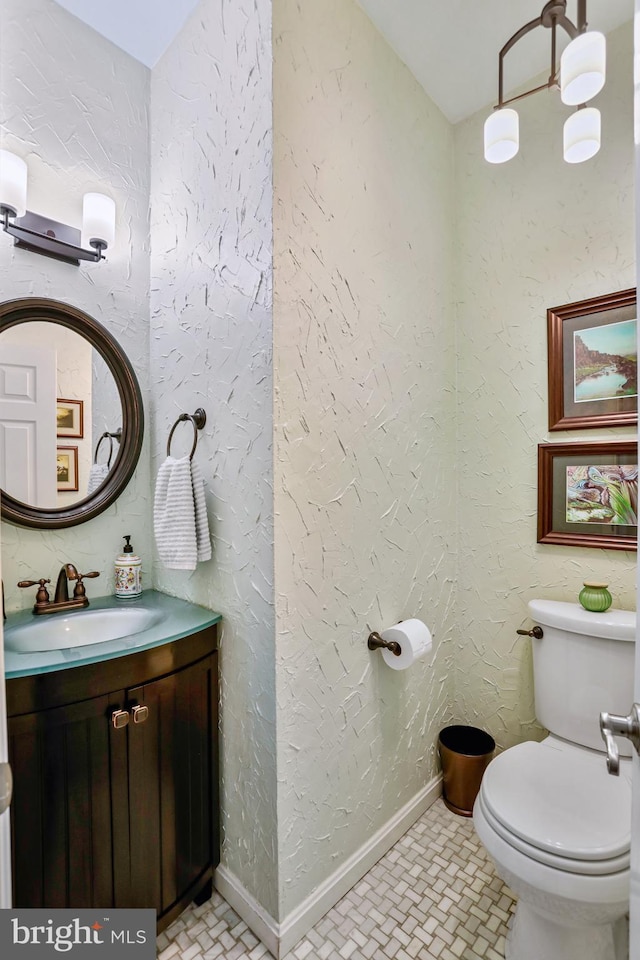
(559, 798)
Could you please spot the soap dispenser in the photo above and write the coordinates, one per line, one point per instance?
(128, 573)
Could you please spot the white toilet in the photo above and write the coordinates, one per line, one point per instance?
(555, 823)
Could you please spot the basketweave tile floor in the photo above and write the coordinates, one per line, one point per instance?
(433, 896)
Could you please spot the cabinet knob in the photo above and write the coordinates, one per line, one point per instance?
(120, 718)
(139, 713)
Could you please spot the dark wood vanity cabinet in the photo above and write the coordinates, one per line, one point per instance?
(123, 816)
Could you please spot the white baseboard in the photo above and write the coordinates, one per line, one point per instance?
(247, 907)
(280, 938)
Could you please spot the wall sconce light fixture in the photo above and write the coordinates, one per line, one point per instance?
(42, 235)
(581, 77)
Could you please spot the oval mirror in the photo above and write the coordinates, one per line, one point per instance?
(71, 417)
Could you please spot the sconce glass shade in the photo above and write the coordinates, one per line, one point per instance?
(501, 136)
(582, 135)
(13, 184)
(583, 68)
(98, 220)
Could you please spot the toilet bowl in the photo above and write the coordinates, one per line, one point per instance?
(555, 823)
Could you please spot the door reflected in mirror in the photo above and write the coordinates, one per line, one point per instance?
(60, 415)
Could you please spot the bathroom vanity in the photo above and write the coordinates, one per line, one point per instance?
(115, 764)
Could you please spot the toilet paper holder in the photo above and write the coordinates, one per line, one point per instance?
(375, 642)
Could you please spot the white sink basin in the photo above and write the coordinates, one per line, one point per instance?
(56, 631)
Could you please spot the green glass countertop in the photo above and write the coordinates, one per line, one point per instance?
(179, 618)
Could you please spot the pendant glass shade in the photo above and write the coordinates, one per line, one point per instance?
(98, 220)
(501, 136)
(13, 184)
(583, 68)
(582, 135)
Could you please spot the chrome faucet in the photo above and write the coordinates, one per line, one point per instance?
(61, 600)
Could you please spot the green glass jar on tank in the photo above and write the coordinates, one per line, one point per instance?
(595, 596)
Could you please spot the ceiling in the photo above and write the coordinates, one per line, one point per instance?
(143, 28)
(451, 46)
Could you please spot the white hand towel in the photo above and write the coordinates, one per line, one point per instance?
(203, 537)
(97, 475)
(180, 517)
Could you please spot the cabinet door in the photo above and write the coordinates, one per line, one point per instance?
(172, 758)
(62, 839)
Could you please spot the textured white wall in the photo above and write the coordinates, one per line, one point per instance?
(532, 234)
(106, 410)
(211, 346)
(74, 356)
(75, 108)
(364, 430)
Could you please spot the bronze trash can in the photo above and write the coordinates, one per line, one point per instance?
(465, 753)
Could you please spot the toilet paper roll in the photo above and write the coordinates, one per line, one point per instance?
(415, 642)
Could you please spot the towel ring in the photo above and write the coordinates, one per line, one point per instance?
(104, 436)
(198, 420)
(111, 437)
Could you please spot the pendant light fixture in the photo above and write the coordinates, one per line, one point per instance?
(580, 77)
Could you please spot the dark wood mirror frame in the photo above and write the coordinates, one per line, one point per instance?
(14, 312)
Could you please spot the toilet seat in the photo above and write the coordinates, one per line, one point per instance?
(555, 803)
(591, 868)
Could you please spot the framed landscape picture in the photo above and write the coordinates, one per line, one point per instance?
(588, 494)
(593, 376)
(67, 468)
(70, 418)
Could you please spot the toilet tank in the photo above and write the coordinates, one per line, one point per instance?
(583, 664)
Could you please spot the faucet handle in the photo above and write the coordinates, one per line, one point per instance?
(73, 574)
(42, 596)
(79, 590)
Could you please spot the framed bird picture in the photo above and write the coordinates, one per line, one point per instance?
(588, 494)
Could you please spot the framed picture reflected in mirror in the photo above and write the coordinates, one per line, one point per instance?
(67, 468)
(70, 418)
